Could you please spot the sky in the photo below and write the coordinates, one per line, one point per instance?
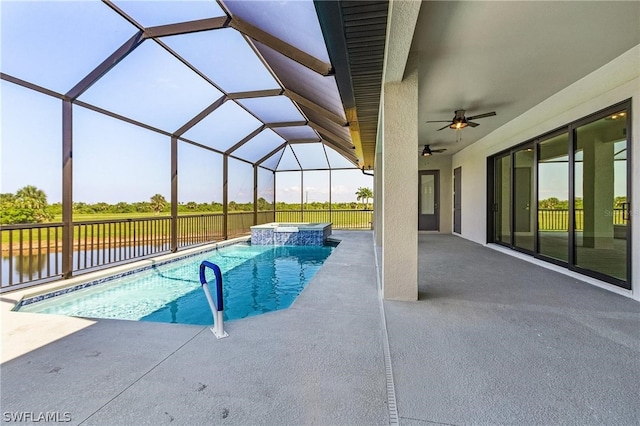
(115, 161)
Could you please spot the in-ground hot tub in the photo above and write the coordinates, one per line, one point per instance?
(290, 234)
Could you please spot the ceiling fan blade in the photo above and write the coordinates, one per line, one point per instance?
(472, 124)
(439, 150)
(438, 121)
(442, 128)
(487, 114)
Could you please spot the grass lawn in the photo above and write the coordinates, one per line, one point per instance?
(160, 226)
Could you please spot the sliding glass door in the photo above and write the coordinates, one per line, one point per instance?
(523, 198)
(553, 197)
(601, 196)
(502, 201)
(564, 196)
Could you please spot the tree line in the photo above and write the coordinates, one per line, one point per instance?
(29, 205)
(553, 203)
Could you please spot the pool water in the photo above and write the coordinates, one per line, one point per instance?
(256, 279)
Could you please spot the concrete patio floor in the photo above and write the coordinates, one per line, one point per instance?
(492, 340)
(498, 340)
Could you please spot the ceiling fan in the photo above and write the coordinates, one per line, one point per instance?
(459, 121)
(427, 151)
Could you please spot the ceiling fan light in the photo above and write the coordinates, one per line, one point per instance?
(426, 152)
(457, 125)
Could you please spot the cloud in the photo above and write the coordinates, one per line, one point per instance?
(341, 190)
(290, 189)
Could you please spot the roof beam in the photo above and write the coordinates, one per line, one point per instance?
(332, 26)
(121, 117)
(346, 154)
(286, 124)
(330, 134)
(315, 107)
(245, 140)
(198, 118)
(189, 141)
(121, 12)
(255, 94)
(266, 157)
(282, 47)
(26, 84)
(106, 65)
(187, 27)
(295, 141)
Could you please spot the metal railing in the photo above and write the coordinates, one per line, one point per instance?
(99, 243)
(200, 229)
(341, 219)
(32, 253)
(239, 223)
(558, 219)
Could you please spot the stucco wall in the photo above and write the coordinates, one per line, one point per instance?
(614, 82)
(400, 175)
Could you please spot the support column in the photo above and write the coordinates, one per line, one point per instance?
(598, 187)
(67, 189)
(225, 196)
(400, 187)
(378, 191)
(174, 194)
(274, 197)
(330, 191)
(255, 194)
(301, 196)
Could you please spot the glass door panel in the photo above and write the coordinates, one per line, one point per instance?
(502, 201)
(428, 218)
(601, 198)
(427, 189)
(523, 198)
(553, 197)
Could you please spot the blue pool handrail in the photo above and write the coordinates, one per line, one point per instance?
(217, 306)
(203, 280)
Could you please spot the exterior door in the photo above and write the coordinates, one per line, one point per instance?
(457, 200)
(428, 200)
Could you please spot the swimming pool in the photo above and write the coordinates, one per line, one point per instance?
(257, 279)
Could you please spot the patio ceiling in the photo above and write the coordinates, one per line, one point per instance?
(482, 57)
(247, 79)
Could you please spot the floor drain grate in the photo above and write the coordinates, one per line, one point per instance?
(391, 389)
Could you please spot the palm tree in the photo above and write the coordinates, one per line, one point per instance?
(157, 203)
(364, 194)
(32, 197)
(34, 200)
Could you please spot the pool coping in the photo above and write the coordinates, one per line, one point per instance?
(12, 300)
(320, 361)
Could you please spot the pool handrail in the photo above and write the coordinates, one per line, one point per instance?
(217, 306)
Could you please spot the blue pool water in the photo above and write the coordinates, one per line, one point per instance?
(257, 279)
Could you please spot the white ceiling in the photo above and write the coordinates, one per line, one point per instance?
(509, 56)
